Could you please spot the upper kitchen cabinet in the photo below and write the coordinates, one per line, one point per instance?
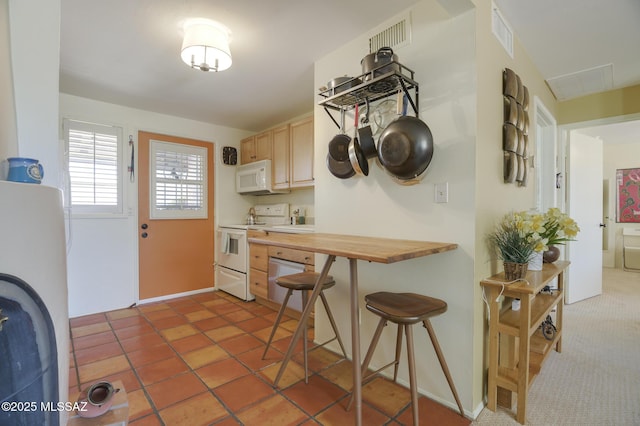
(292, 155)
(280, 157)
(256, 148)
(290, 149)
(301, 153)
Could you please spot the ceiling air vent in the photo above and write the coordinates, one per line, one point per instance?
(397, 35)
(501, 29)
(581, 83)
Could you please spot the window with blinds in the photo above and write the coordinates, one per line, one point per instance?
(92, 153)
(178, 181)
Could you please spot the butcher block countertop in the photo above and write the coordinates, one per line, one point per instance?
(381, 250)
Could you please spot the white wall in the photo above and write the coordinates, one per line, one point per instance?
(103, 272)
(442, 55)
(8, 136)
(35, 56)
(617, 156)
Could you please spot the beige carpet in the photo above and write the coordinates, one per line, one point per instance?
(596, 378)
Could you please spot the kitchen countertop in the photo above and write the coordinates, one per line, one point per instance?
(382, 250)
(285, 229)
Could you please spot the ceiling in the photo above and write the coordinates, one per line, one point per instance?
(127, 52)
(579, 46)
(582, 47)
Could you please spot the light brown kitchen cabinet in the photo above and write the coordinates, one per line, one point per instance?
(301, 174)
(256, 148)
(280, 158)
(258, 268)
(259, 255)
(298, 256)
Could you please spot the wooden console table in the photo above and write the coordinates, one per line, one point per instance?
(523, 325)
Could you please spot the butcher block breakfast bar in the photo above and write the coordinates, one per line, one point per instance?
(354, 248)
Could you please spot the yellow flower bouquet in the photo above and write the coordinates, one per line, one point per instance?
(520, 236)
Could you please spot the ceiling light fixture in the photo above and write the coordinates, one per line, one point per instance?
(206, 45)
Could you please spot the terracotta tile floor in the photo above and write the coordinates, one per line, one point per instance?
(198, 361)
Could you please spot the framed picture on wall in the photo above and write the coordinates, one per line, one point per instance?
(628, 195)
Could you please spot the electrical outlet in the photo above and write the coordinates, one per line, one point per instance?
(442, 192)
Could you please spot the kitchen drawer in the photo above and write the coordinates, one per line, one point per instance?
(258, 257)
(292, 255)
(253, 233)
(258, 283)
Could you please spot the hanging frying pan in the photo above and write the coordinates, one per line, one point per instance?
(358, 161)
(365, 136)
(405, 147)
(340, 169)
(339, 145)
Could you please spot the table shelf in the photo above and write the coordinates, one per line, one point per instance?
(530, 348)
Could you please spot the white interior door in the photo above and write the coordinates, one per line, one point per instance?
(585, 207)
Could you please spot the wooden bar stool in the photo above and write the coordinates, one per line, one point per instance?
(304, 282)
(406, 309)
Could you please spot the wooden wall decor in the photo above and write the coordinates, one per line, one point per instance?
(515, 130)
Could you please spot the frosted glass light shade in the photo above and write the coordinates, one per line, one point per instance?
(206, 45)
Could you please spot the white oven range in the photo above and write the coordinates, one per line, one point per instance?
(232, 266)
(232, 249)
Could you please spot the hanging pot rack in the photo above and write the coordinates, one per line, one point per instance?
(342, 97)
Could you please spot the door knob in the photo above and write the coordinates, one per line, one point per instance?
(144, 235)
(603, 225)
(144, 226)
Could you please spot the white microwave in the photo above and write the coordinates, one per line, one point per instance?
(255, 178)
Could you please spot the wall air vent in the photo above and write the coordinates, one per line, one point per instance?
(394, 36)
(501, 29)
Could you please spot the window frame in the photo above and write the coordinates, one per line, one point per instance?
(95, 210)
(178, 214)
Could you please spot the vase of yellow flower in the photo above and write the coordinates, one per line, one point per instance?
(558, 229)
(522, 238)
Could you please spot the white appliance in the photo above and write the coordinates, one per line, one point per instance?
(279, 268)
(631, 249)
(33, 271)
(255, 178)
(232, 267)
(233, 249)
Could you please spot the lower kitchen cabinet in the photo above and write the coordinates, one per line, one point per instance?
(259, 256)
(258, 267)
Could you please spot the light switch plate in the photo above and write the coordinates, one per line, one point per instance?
(442, 192)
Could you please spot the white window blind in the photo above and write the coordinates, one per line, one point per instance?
(178, 181)
(93, 153)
